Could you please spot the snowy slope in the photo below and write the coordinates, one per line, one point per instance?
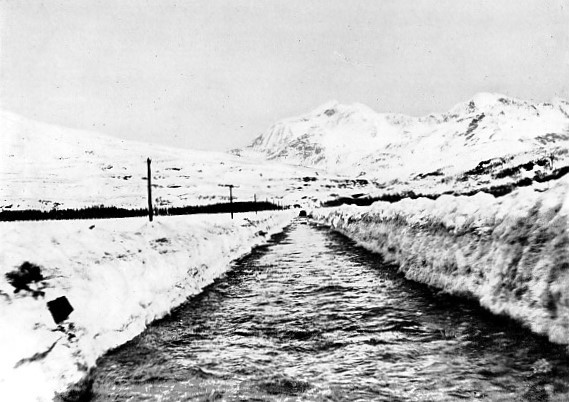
(434, 151)
(511, 253)
(118, 274)
(46, 166)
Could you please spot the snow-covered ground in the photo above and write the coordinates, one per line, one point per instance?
(118, 274)
(511, 253)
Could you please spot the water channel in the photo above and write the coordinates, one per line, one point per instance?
(311, 316)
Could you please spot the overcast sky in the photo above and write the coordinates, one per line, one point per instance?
(214, 74)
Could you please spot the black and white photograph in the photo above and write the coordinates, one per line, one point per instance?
(284, 200)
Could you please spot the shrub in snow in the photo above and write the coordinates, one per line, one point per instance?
(24, 276)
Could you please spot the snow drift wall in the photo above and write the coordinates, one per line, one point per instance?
(511, 253)
(119, 275)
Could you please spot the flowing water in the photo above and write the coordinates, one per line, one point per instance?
(311, 316)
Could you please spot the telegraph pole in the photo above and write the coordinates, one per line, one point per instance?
(230, 196)
(231, 200)
(149, 190)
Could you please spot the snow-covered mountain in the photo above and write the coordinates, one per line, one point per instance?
(491, 138)
(45, 166)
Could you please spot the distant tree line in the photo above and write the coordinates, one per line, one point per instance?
(105, 212)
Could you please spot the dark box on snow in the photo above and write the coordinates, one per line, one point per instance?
(59, 308)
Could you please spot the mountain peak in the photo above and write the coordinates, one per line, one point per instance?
(334, 107)
(331, 104)
(484, 101)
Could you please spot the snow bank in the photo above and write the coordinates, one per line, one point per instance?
(511, 253)
(119, 275)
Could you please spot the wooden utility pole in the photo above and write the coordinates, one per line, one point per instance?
(230, 196)
(149, 190)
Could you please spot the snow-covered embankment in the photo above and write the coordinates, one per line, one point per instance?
(119, 275)
(511, 253)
